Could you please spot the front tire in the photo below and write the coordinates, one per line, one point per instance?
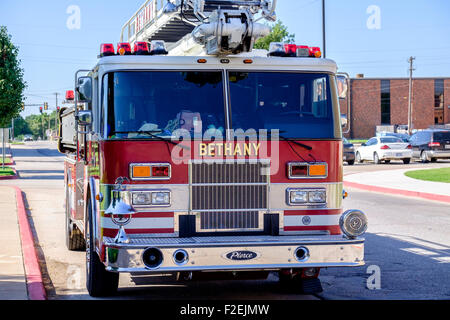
(99, 282)
(358, 158)
(376, 159)
(423, 157)
(351, 162)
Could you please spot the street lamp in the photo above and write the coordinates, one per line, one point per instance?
(323, 29)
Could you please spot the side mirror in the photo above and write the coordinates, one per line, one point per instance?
(85, 117)
(342, 85)
(84, 89)
(344, 120)
(363, 144)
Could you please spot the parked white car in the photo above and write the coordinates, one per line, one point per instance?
(385, 149)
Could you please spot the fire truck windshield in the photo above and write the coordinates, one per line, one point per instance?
(153, 104)
(298, 104)
(160, 102)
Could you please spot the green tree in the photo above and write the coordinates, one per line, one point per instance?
(21, 127)
(38, 124)
(12, 84)
(279, 33)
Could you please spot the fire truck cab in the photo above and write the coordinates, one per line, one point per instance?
(226, 161)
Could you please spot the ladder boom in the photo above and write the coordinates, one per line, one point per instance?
(216, 26)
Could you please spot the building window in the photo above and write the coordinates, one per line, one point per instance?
(385, 102)
(439, 101)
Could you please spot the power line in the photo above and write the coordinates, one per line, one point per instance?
(411, 69)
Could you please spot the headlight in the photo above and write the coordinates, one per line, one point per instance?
(298, 197)
(151, 198)
(317, 196)
(160, 198)
(306, 196)
(142, 198)
(353, 223)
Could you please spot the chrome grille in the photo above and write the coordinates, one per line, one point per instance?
(229, 195)
(229, 220)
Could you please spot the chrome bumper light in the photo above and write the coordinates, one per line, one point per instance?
(353, 223)
(306, 196)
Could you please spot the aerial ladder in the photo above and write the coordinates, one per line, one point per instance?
(198, 27)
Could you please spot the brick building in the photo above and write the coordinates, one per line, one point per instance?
(384, 101)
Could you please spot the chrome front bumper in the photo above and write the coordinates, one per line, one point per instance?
(437, 154)
(210, 253)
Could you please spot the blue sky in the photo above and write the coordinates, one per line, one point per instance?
(51, 53)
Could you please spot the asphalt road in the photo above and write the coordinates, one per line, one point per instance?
(407, 242)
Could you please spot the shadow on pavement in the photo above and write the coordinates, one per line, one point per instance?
(410, 268)
(42, 171)
(41, 177)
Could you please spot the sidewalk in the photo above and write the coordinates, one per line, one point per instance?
(12, 274)
(394, 181)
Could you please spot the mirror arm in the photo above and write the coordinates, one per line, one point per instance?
(77, 132)
(347, 77)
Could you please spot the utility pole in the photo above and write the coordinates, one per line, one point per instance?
(323, 30)
(3, 149)
(56, 112)
(43, 127)
(411, 69)
(12, 129)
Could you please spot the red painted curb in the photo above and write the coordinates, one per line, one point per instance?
(15, 176)
(423, 195)
(35, 284)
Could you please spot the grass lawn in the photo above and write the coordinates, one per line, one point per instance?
(6, 172)
(7, 160)
(437, 175)
(358, 141)
(17, 143)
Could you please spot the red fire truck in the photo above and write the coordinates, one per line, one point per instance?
(188, 152)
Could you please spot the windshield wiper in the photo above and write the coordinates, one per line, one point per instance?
(293, 141)
(153, 135)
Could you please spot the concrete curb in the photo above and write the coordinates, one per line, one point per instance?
(35, 284)
(15, 176)
(416, 194)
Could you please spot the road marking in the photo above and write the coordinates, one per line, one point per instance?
(420, 251)
(422, 243)
(443, 259)
(9, 259)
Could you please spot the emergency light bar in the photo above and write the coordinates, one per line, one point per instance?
(107, 49)
(155, 47)
(279, 49)
(158, 47)
(141, 48)
(124, 48)
(70, 95)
